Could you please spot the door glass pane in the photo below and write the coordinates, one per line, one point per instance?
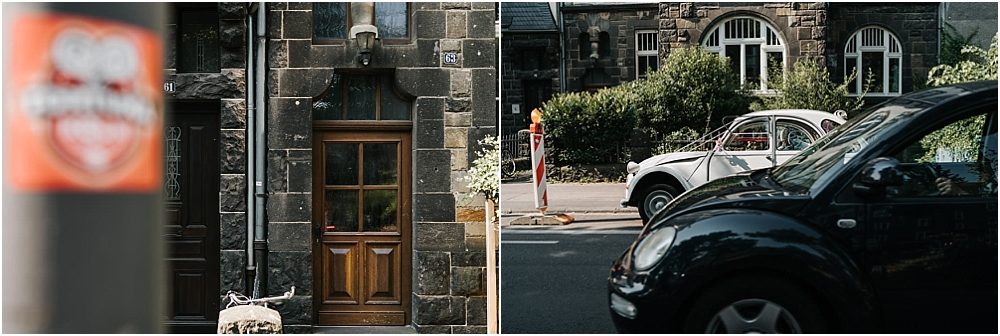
(341, 210)
(199, 49)
(733, 52)
(172, 173)
(342, 164)
(380, 210)
(380, 164)
(852, 67)
(393, 107)
(330, 20)
(390, 19)
(750, 136)
(894, 75)
(872, 63)
(331, 107)
(361, 97)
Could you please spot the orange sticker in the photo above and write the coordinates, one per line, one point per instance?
(85, 107)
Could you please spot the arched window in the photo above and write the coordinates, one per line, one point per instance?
(752, 45)
(875, 52)
(361, 97)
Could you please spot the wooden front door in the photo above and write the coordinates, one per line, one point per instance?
(191, 193)
(361, 210)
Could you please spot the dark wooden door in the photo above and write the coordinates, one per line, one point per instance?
(191, 193)
(536, 93)
(361, 209)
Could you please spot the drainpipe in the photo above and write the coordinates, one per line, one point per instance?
(260, 190)
(251, 267)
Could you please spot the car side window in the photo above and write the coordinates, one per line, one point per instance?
(749, 136)
(959, 159)
(793, 137)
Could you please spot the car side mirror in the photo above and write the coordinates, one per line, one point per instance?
(878, 174)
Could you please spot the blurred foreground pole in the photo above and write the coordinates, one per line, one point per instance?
(82, 167)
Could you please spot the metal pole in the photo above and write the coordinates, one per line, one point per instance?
(83, 134)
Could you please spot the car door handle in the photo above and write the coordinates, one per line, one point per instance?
(846, 223)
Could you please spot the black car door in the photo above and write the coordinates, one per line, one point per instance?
(932, 242)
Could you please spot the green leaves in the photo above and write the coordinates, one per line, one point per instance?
(808, 86)
(977, 65)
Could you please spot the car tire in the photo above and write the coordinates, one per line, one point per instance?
(754, 304)
(653, 198)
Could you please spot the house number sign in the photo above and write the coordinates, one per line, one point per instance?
(450, 58)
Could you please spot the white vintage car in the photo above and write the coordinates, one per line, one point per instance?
(751, 141)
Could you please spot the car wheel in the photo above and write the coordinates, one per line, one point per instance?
(655, 198)
(754, 304)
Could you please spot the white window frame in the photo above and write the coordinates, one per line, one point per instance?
(875, 39)
(642, 49)
(756, 32)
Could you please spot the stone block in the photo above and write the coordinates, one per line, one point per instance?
(277, 54)
(475, 259)
(299, 175)
(233, 152)
(274, 21)
(233, 114)
(439, 310)
(463, 119)
(428, 53)
(287, 269)
(456, 137)
(477, 312)
(233, 191)
(277, 171)
(300, 6)
(461, 83)
(430, 134)
(433, 173)
(440, 236)
(232, 10)
(457, 105)
(289, 236)
(233, 58)
(484, 103)
(475, 243)
(289, 123)
(476, 134)
(225, 84)
(468, 329)
(434, 207)
(232, 33)
(455, 5)
(468, 281)
(298, 54)
(424, 82)
(424, 6)
(474, 219)
(480, 53)
(297, 25)
(300, 82)
(297, 310)
(433, 273)
(456, 27)
(249, 319)
(482, 24)
(232, 265)
(429, 24)
(459, 163)
(430, 108)
(289, 207)
(276, 6)
(433, 329)
(233, 231)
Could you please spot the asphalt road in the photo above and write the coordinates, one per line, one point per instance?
(553, 278)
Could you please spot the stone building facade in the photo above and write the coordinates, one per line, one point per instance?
(531, 61)
(899, 41)
(415, 258)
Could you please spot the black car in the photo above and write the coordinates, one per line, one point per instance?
(887, 224)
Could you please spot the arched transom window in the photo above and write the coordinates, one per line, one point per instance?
(875, 52)
(752, 46)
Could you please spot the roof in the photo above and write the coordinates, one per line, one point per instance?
(526, 17)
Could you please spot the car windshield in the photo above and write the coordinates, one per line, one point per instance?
(817, 163)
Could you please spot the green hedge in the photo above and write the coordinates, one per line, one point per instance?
(581, 127)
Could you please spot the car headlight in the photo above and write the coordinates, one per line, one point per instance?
(653, 247)
(632, 167)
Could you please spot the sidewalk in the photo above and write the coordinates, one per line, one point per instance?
(517, 197)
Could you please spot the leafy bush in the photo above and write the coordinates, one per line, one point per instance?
(582, 127)
(693, 88)
(675, 140)
(484, 175)
(808, 86)
(978, 64)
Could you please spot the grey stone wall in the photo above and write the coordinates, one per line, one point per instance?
(968, 17)
(454, 107)
(514, 74)
(229, 87)
(620, 22)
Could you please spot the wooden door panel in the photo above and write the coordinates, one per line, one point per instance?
(341, 261)
(191, 188)
(382, 273)
(362, 215)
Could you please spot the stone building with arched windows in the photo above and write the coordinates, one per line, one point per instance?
(609, 43)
